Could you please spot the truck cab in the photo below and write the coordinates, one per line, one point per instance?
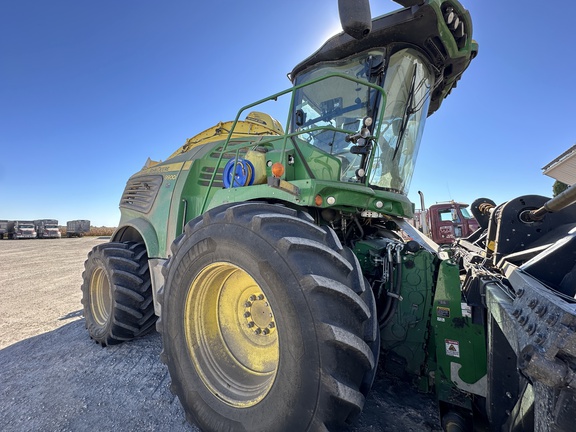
(47, 228)
(450, 221)
(21, 230)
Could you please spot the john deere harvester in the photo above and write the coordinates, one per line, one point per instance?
(277, 264)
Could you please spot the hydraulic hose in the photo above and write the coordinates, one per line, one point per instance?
(395, 285)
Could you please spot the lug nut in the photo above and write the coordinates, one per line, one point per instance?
(247, 304)
(260, 296)
(252, 298)
(251, 324)
(266, 331)
(540, 310)
(540, 338)
(257, 331)
(271, 325)
(247, 314)
(551, 320)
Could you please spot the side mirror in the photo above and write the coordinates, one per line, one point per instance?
(300, 117)
(409, 3)
(355, 17)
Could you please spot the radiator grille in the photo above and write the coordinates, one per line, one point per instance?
(206, 175)
(140, 193)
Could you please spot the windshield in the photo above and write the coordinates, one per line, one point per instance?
(327, 111)
(408, 87)
(26, 226)
(466, 213)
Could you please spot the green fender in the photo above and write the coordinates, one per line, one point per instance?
(138, 229)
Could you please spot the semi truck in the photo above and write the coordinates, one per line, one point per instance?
(21, 229)
(445, 222)
(47, 228)
(77, 228)
(272, 262)
(3, 228)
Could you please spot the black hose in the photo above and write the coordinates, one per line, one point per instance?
(392, 301)
(388, 302)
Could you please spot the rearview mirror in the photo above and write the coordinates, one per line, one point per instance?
(355, 17)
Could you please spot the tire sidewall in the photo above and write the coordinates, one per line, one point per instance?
(97, 332)
(297, 381)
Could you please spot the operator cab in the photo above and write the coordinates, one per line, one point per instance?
(369, 111)
(365, 101)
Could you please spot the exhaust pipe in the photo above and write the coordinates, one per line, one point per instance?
(422, 206)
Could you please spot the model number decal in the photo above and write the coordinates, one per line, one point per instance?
(170, 176)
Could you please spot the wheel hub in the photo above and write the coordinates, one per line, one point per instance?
(258, 315)
(231, 334)
(100, 297)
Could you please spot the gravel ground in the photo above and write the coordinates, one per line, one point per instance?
(54, 378)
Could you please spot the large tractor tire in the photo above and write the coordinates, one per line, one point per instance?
(267, 323)
(117, 293)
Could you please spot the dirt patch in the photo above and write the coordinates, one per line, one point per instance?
(54, 378)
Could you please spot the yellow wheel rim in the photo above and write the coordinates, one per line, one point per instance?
(100, 297)
(231, 334)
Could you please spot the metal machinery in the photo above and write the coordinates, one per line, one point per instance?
(47, 228)
(272, 263)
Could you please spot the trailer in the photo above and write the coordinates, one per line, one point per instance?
(77, 228)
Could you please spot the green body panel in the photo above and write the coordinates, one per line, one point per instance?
(185, 191)
(146, 232)
(405, 337)
(346, 199)
(407, 333)
(460, 344)
(450, 44)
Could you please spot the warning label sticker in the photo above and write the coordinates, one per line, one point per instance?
(452, 348)
(443, 312)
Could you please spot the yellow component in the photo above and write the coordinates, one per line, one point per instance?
(231, 334)
(100, 297)
(491, 245)
(161, 169)
(266, 121)
(257, 156)
(150, 163)
(256, 123)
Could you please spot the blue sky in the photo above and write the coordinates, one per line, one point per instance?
(90, 89)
